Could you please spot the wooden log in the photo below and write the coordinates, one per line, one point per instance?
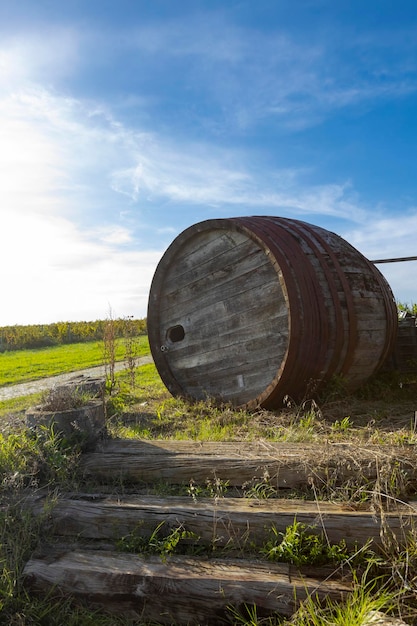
(178, 590)
(288, 466)
(231, 522)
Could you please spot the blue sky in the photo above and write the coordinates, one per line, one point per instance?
(123, 123)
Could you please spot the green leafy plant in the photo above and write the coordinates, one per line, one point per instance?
(215, 488)
(156, 543)
(259, 488)
(300, 546)
(410, 307)
(341, 426)
(28, 460)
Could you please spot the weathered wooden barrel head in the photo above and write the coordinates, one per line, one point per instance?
(248, 310)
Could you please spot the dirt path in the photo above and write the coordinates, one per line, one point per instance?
(35, 386)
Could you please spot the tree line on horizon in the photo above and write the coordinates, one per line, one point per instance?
(21, 337)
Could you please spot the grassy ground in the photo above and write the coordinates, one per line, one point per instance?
(383, 412)
(149, 412)
(26, 365)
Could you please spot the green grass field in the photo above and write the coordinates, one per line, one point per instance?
(26, 365)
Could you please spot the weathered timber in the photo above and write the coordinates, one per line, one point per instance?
(198, 591)
(220, 522)
(249, 309)
(88, 421)
(405, 353)
(288, 466)
(178, 590)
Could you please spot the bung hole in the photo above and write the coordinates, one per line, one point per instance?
(176, 333)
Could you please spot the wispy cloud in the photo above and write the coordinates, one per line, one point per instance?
(68, 153)
(88, 199)
(223, 180)
(388, 237)
(295, 80)
(67, 251)
(27, 56)
(191, 36)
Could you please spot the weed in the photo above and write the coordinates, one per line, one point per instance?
(156, 543)
(109, 351)
(130, 341)
(366, 598)
(342, 426)
(335, 389)
(20, 532)
(304, 421)
(64, 397)
(307, 421)
(215, 488)
(248, 616)
(299, 546)
(119, 403)
(259, 488)
(32, 461)
(57, 458)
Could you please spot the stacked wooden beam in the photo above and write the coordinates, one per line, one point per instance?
(82, 559)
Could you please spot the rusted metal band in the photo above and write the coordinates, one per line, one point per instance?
(311, 237)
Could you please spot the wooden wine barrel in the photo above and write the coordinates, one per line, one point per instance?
(248, 310)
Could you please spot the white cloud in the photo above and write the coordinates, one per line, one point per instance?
(52, 271)
(298, 79)
(116, 235)
(74, 179)
(30, 162)
(385, 236)
(64, 254)
(388, 237)
(195, 175)
(40, 55)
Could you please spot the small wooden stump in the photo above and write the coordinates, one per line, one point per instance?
(87, 421)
